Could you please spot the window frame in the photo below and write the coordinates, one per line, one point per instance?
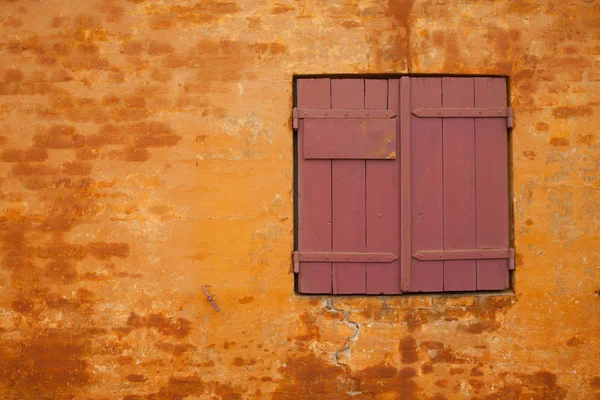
(405, 117)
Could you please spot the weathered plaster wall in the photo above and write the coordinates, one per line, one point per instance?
(146, 149)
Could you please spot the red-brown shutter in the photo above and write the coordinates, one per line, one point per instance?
(402, 185)
(459, 184)
(348, 186)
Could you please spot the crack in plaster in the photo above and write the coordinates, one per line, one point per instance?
(329, 306)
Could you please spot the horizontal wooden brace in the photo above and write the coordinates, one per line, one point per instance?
(482, 254)
(461, 112)
(505, 112)
(324, 113)
(337, 257)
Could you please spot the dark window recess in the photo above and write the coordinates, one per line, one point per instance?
(402, 185)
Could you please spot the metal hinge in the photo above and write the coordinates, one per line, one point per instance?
(339, 257)
(325, 113)
(466, 112)
(295, 118)
(296, 262)
(481, 254)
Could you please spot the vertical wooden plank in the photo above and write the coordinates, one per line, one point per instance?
(313, 93)
(459, 184)
(376, 94)
(348, 224)
(427, 190)
(348, 93)
(314, 195)
(404, 109)
(382, 197)
(348, 188)
(491, 160)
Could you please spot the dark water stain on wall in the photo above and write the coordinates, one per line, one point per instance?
(476, 318)
(50, 362)
(565, 112)
(304, 375)
(559, 142)
(408, 350)
(540, 385)
(400, 11)
(312, 330)
(45, 268)
(178, 328)
(199, 13)
(307, 376)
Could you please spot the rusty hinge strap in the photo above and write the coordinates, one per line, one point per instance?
(296, 262)
(482, 254)
(324, 113)
(342, 257)
(462, 112)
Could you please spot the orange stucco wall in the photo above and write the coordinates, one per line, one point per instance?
(146, 149)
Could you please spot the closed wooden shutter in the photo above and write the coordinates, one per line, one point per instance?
(459, 170)
(402, 185)
(348, 186)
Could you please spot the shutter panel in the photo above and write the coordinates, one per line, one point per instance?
(459, 174)
(348, 179)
